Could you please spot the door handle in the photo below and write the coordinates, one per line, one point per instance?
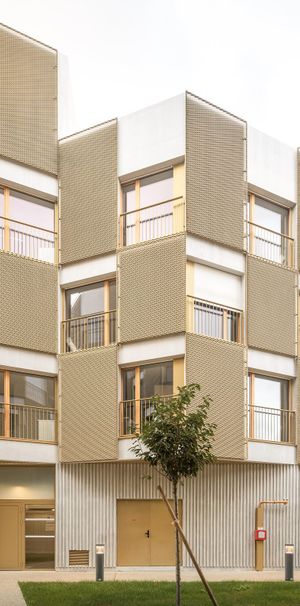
(147, 534)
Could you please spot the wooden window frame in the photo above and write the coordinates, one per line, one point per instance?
(8, 403)
(252, 374)
(288, 235)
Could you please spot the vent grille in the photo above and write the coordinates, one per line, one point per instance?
(78, 557)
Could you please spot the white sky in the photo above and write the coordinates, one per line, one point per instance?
(242, 55)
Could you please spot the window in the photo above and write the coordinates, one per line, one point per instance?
(150, 209)
(268, 231)
(270, 417)
(90, 316)
(27, 225)
(139, 385)
(214, 302)
(28, 410)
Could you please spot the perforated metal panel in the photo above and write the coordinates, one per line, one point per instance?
(28, 317)
(88, 181)
(28, 101)
(219, 368)
(89, 405)
(152, 289)
(215, 178)
(271, 307)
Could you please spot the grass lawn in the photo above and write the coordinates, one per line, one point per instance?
(159, 594)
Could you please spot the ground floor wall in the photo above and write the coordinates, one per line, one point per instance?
(218, 510)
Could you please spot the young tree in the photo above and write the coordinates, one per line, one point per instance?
(177, 441)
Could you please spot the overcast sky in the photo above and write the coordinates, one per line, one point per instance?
(242, 55)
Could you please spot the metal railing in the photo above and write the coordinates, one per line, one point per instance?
(153, 221)
(85, 332)
(270, 245)
(134, 413)
(206, 318)
(27, 240)
(271, 424)
(28, 422)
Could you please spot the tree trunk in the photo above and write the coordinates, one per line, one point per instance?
(177, 542)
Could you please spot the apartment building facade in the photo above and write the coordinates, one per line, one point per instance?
(153, 250)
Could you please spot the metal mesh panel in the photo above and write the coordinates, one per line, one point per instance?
(89, 405)
(88, 180)
(219, 368)
(271, 307)
(28, 101)
(215, 178)
(28, 317)
(152, 289)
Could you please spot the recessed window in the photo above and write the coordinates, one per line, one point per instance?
(268, 231)
(27, 407)
(150, 209)
(139, 385)
(90, 316)
(270, 417)
(27, 225)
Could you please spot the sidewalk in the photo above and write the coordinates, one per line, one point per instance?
(10, 593)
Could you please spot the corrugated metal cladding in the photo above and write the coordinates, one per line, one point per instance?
(28, 101)
(215, 177)
(89, 193)
(218, 510)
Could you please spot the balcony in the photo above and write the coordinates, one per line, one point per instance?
(28, 240)
(85, 332)
(206, 318)
(271, 425)
(134, 413)
(153, 221)
(270, 245)
(29, 423)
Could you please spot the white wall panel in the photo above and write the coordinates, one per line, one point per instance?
(152, 349)
(214, 255)
(22, 359)
(264, 452)
(151, 136)
(89, 270)
(27, 452)
(29, 177)
(218, 510)
(272, 165)
(272, 363)
(218, 286)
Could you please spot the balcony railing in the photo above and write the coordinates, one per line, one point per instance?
(154, 221)
(27, 240)
(28, 422)
(271, 424)
(134, 413)
(270, 245)
(206, 318)
(88, 331)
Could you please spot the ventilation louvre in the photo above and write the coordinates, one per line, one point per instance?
(78, 557)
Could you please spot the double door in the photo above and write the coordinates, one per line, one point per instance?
(145, 533)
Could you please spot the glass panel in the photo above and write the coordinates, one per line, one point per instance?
(129, 204)
(1, 219)
(39, 537)
(112, 295)
(1, 387)
(1, 405)
(208, 320)
(270, 415)
(156, 188)
(85, 301)
(129, 384)
(32, 390)
(271, 216)
(157, 379)
(31, 210)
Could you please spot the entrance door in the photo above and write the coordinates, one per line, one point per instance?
(145, 534)
(11, 536)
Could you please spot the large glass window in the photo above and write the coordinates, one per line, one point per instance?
(140, 384)
(27, 225)
(268, 231)
(150, 209)
(270, 417)
(28, 412)
(90, 316)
